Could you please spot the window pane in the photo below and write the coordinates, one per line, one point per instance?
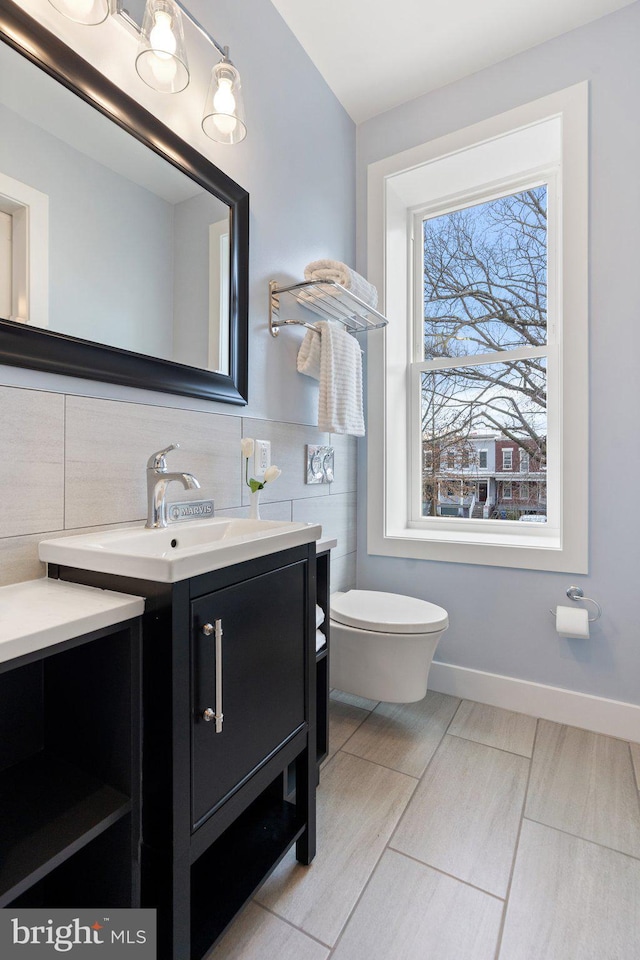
(482, 419)
(485, 276)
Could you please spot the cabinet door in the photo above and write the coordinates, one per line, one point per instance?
(260, 668)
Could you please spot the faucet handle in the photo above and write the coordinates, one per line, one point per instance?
(157, 460)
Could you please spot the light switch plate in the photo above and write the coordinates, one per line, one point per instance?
(261, 458)
(319, 464)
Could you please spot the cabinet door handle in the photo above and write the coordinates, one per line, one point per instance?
(209, 714)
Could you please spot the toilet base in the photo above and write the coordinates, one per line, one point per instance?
(392, 667)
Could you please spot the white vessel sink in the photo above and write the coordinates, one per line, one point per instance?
(178, 551)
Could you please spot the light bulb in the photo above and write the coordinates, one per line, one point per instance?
(79, 8)
(162, 38)
(224, 100)
(164, 69)
(224, 105)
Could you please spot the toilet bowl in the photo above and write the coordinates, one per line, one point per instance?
(382, 644)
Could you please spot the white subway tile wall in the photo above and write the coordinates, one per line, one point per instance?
(77, 464)
(32, 462)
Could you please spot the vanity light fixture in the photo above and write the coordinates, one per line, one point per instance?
(161, 60)
(89, 12)
(223, 118)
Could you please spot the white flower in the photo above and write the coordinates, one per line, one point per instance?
(247, 447)
(271, 473)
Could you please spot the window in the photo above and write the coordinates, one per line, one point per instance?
(507, 455)
(524, 491)
(481, 303)
(480, 239)
(507, 490)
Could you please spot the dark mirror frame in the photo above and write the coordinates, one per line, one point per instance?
(46, 350)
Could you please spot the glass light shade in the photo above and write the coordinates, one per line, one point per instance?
(89, 12)
(162, 57)
(223, 118)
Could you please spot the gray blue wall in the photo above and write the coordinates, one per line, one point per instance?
(500, 619)
(110, 242)
(298, 164)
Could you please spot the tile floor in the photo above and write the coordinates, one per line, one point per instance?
(451, 830)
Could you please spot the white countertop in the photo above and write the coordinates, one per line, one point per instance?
(327, 543)
(40, 613)
(178, 552)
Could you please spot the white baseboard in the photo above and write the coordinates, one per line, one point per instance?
(612, 717)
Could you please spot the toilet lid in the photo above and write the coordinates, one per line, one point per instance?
(387, 612)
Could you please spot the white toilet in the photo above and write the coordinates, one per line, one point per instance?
(382, 644)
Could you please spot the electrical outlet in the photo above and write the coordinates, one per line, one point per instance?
(261, 458)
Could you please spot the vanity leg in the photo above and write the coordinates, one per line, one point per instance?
(306, 772)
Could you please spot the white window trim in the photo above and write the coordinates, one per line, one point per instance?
(504, 462)
(389, 533)
(29, 209)
(218, 358)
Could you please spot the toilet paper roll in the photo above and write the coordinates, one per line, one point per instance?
(572, 622)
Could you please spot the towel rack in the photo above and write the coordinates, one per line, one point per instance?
(327, 299)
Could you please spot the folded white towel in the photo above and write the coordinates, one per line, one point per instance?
(340, 398)
(308, 361)
(343, 274)
(319, 616)
(340, 374)
(320, 640)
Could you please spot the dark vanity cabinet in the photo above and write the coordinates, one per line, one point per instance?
(246, 650)
(323, 593)
(229, 744)
(70, 773)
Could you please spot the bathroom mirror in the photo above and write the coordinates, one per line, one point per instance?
(128, 249)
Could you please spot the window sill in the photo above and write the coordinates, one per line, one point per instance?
(540, 551)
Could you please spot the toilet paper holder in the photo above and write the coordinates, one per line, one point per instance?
(576, 594)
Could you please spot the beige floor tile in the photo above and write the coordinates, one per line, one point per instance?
(583, 783)
(495, 727)
(359, 806)
(571, 900)
(411, 912)
(353, 699)
(635, 757)
(464, 816)
(257, 935)
(344, 720)
(404, 736)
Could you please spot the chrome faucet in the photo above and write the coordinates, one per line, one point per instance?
(158, 479)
